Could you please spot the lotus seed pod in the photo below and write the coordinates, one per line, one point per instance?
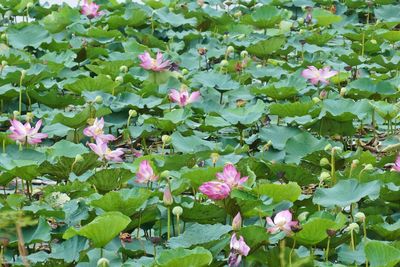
(224, 63)
(353, 227)
(132, 113)
(16, 113)
(343, 91)
(316, 99)
(303, 216)
(214, 157)
(230, 49)
(300, 21)
(103, 262)
(29, 116)
(323, 94)
(123, 68)
(185, 72)
(237, 222)
(119, 79)
(324, 176)
(238, 14)
(98, 99)
(368, 167)
(4, 63)
(23, 73)
(360, 216)
(324, 162)
(244, 54)
(164, 174)
(177, 211)
(337, 149)
(166, 139)
(79, 158)
(3, 37)
(328, 147)
(373, 41)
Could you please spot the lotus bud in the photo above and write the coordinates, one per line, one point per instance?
(337, 149)
(15, 114)
(4, 63)
(103, 262)
(303, 216)
(119, 79)
(224, 63)
(238, 14)
(98, 99)
(185, 72)
(353, 227)
(324, 162)
(132, 113)
(324, 176)
(360, 217)
(164, 174)
(237, 222)
(23, 73)
(373, 41)
(244, 54)
(202, 51)
(78, 158)
(316, 100)
(29, 5)
(167, 198)
(230, 49)
(123, 68)
(177, 211)
(331, 232)
(301, 31)
(29, 116)
(166, 139)
(343, 91)
(3, 37)
(90, 121)
(214, 157)
(354, 163)
(323, 94)
(368, 167)
(328, 147)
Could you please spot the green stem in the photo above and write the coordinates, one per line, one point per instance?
(291, 252)
(327, 249)
(178, 224)
(282, 261)
(169, 223)
(352, 240)
(333, 171)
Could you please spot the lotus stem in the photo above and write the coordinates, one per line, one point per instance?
(352, 240)
(333, 175)
(168, 223)
(282, 245)
(291, 252)
(327, 249)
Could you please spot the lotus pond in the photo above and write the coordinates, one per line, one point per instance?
(200, 133)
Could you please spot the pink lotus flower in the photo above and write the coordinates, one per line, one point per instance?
(215, 190)
(182, 98)
(105, 153)
(157, 64)
(396, 166)
(239, 248)
(167, 197)
(145, 173)
(231, 176)
(90, 9)
(282, 222)
(25, 133)
(96, 131)
(315, 75)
